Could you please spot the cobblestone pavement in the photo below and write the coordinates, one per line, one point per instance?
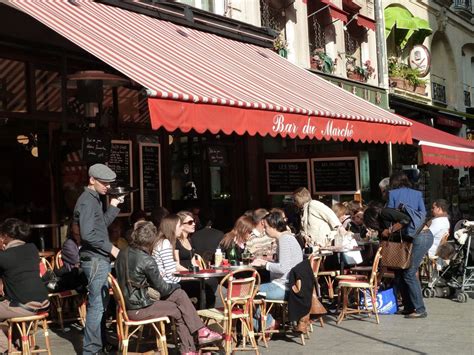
(448, 329)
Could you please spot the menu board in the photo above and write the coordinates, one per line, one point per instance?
(335, 176)
(95, 148)
(120, 161)
(150, 176)
(286, 175)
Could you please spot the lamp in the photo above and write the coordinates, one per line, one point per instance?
(29, 142)
(348, 22)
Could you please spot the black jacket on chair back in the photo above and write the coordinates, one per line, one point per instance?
(136, 272)
(299, 304)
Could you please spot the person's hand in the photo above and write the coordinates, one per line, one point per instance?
(117, 200)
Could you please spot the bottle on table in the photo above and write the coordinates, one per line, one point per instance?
(246, 255)
(233, 255)
(218, 257)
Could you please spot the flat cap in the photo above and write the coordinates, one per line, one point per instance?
(102, 172)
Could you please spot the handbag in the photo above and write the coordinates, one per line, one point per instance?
(396, 254)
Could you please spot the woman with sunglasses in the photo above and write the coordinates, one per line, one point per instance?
(184, 252)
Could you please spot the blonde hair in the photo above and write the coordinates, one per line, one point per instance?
(301, 196)
(340, 209)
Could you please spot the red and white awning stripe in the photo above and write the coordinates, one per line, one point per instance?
(177, 63)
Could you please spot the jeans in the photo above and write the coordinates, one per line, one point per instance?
(273, 292)
(96, 271)
(407, 281)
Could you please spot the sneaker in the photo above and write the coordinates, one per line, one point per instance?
(206, 336)
(404, 312)
(415, 315)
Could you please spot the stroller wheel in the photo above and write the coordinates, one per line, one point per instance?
(428, 292)
(462, 297)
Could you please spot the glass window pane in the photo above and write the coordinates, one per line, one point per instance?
(48, 91)
(133, 108)
(12, 86)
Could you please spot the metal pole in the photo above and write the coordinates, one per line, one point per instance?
(390, 159)
(382, 65)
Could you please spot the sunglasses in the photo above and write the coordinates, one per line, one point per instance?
(190, 223)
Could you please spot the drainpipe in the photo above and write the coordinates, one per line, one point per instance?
(382, 64)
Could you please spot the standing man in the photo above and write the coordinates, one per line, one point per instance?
(95, 252)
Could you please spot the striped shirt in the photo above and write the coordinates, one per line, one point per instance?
(259, 244)
(289, 255)
(163, 255)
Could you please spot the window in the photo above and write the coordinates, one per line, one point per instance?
(12, 85)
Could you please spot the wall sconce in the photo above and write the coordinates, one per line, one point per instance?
(29, 142)
(348, 22)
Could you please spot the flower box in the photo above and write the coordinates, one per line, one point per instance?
(355, 76)
(404, 84)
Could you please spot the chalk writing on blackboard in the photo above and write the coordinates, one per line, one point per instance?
(95, 148)
(150, 176)
(336, 176)
(286, 175)
(120, 161)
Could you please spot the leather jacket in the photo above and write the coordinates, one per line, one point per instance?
(142, 273)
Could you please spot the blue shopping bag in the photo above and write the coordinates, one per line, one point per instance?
(386, 301)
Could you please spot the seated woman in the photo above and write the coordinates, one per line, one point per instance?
(237, 237)
(24, 292)
(184, 252)
(137, 272)
(289, 254)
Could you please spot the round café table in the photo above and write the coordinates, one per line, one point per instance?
(339, 251)
(202, 275)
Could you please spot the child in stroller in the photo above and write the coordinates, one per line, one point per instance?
(454, 271)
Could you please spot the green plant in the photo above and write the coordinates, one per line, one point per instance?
(403, 71)
(366, 70)
(323, 62)
(280, 43)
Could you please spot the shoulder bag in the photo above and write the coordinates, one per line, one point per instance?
(396, 254)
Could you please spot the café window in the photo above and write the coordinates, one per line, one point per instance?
(132, 108)
(12, 85)
(48, 91)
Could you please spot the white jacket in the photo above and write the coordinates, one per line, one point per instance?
(319, 222)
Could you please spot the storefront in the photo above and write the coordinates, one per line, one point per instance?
(219, 110)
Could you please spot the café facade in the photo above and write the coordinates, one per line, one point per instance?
(192, 109)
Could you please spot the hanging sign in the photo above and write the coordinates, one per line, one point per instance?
(335, 176)
(420, 59)
(120, 161)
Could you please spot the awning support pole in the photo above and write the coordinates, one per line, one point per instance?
(390, 159)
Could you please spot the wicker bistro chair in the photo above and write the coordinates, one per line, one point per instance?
(126, 328)
(242, 285)
(346, 286)
(59, 299)
(28, 327)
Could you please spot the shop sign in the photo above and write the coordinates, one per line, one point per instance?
(331, 129)
(420, 59)
(448, 122)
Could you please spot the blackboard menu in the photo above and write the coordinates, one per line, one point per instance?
(337, 176)
(120, 161)
(150, 176)
(217, 156)
(95, 148)
(286, 175)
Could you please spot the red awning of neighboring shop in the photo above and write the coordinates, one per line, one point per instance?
(438, 147)
(205, 82)
(366, 22)
(335, 11)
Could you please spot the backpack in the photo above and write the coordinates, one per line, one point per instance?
(417, 220)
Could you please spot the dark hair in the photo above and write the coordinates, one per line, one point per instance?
(240, 233)
(144, 237)
(15, 229)
(443, 204)
(157, 215)
(399, 179)
(276, 220)
(372, 218)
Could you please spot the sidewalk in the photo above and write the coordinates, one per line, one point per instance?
(448, 329)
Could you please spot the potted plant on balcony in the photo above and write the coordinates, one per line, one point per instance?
(359, 73)
(281, 46)
(403, 77)
(321, 61)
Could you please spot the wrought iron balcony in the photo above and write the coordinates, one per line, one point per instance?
(463, 5)
(438, 92)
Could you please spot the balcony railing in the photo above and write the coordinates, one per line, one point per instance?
(438, 89)
(464, 5)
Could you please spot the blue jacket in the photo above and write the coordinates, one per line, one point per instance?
(407, 196)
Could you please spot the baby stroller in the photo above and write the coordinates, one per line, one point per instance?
(457, 271)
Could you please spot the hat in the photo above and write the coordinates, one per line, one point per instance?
(102, 172)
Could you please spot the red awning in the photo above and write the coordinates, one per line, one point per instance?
(205, 82)
(335, 11)
(366, 22)
(441, 148)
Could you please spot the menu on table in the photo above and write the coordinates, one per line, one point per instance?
(336, 176)
(150, 175)
(284, 176)
(120, 161)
